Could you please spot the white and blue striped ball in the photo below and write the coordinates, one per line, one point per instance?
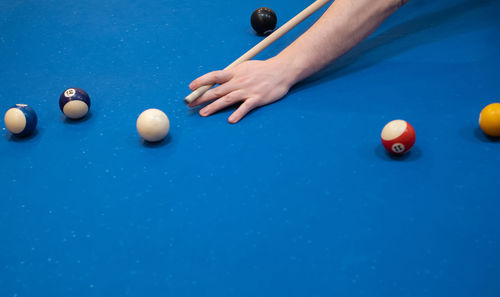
(74, 103)
(21, 120)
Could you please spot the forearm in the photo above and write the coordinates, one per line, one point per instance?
(343, 26)
(257, 83)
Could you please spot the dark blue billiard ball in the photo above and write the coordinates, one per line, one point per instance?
(263, 20)
(74, 103)
(20, 120)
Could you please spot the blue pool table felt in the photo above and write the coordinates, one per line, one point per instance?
(298, 199)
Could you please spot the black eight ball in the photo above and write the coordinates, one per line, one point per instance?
(263, 20)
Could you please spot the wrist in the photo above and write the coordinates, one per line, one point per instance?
(289, 68)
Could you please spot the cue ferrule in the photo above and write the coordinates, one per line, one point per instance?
(197, 93)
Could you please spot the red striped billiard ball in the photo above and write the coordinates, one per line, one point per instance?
(398, 136)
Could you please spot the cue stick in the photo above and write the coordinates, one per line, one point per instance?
(263, 44)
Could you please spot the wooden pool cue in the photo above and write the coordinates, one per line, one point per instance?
(263, 44)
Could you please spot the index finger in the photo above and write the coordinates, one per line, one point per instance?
(211, 78)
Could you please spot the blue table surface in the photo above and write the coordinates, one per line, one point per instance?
(298, 199)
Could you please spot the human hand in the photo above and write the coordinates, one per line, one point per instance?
(251, 83)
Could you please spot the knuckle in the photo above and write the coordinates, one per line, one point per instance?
(216, 92)
(216, 76)
(283, 91)
(251, 104)
(228, 99)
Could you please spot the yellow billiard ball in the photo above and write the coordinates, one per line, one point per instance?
(489, 120)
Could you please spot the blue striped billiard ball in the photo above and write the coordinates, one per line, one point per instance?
(20, 120)
(74, 103)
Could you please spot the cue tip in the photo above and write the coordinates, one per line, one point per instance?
(197, 93)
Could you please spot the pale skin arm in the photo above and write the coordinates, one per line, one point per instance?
(258, 83)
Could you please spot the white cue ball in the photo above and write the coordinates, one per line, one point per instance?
(153, 125)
